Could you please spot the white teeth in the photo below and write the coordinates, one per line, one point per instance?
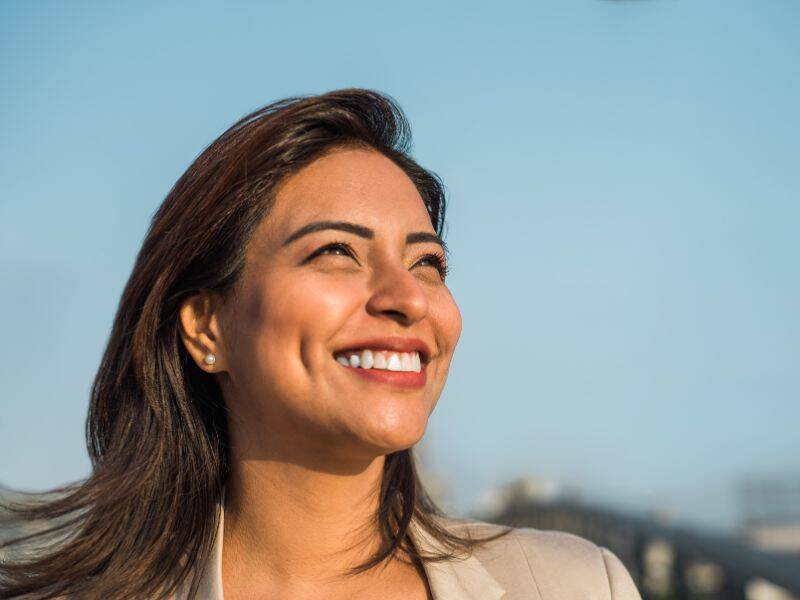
(381, 359)
(394, 363)
(367, 359)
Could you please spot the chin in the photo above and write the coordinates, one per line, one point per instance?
(393, 435)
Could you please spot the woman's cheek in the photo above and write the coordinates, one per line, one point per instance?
(455, 319)
(446, 318)
(299, 315)
(325, 298)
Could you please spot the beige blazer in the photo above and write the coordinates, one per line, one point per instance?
(527, 564)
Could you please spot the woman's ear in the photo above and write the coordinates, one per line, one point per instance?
(199, 329)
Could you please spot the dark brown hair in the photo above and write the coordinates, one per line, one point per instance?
(156, 429)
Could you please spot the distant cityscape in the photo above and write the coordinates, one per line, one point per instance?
(669, 557)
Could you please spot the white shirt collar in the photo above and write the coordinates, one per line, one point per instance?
(462, 579)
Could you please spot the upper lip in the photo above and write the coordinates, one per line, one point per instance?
(395, 343)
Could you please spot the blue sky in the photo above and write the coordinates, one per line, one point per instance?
(623, 189)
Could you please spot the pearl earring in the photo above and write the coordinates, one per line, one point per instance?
(209, 359)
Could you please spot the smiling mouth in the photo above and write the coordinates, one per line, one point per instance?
(385, 367)
(388, 360)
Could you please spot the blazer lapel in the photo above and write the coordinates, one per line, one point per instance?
(464, 579)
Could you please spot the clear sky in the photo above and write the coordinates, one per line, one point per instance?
(623, 182)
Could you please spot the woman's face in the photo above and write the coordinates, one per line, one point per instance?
(299, 304)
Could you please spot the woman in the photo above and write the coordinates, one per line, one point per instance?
(283, 338)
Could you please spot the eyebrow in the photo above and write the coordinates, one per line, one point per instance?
(362, 231)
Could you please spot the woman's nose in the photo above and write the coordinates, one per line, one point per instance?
(398, 294)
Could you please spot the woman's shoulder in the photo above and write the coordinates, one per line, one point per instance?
(557, 564)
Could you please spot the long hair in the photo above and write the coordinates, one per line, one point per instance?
(156, 428)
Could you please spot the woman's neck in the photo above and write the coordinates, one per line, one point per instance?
(288, 526)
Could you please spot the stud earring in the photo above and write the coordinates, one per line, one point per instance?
(209, 359)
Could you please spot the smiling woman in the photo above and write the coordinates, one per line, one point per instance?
(277, 352)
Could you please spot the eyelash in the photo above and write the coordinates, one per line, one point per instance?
(437, 257)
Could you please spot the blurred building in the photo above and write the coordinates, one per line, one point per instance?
(669, 559)
(770, 513)
(494, 500)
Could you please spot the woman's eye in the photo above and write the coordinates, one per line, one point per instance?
(342, 249)
(438, 263)
(335, 249)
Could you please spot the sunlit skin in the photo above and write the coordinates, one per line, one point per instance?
(309, 438)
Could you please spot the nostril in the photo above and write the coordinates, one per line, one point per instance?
(396, 314)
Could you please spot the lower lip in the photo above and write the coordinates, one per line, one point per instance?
(404, 379)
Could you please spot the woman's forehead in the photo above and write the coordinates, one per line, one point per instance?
(355, 185)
